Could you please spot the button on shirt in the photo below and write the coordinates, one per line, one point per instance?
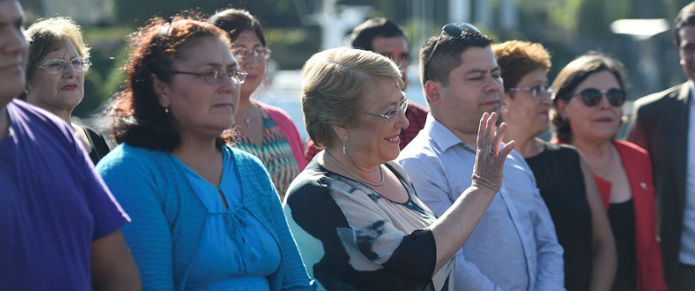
(514, 246)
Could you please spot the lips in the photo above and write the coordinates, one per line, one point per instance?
(70, 87)
(394, 139)
(12, 67)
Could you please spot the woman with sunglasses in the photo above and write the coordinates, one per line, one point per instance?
(587, 113)
(57, 63)
(264, 131)
(564, 180)
(205, 216)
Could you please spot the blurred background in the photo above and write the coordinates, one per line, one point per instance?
(637, 32)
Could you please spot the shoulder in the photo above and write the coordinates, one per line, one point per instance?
(34, 119)
(630, 149)
(244, 160)
(126, 158)
(275, 113)
(563, 150)
(310, 184)
(421, 147)
(657, 98)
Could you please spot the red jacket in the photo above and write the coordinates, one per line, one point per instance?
(638, 168)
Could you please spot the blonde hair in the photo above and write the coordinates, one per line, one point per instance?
(49, 35)
(334, 84)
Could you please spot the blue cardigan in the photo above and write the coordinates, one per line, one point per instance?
(168, 218)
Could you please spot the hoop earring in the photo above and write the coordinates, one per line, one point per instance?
(344, 148)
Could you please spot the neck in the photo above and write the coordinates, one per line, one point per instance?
(346, 165)
(243, 109)
(528, 147)
(195, 148)
(593, 148)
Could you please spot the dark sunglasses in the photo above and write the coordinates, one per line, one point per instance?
(455, 30)
(592, 96)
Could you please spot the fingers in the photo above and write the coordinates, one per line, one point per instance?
(482, 130)
(508, 147)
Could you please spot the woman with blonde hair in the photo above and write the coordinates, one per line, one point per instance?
(353, 211)
(57, 63)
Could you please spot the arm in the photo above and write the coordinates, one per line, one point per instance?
(459, 218)
(148, 234)
(113, 267)
(604, 255)
(454, 227)
(294, 276)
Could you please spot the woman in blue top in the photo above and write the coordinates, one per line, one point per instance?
(205, 216)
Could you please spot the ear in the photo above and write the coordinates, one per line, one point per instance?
(506, 103)
(161, 90)
(432, 93)
(342, 132)
(562, 108)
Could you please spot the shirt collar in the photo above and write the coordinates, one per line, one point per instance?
(442, 136)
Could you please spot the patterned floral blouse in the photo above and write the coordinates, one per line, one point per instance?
(352, 238)
(275, 153)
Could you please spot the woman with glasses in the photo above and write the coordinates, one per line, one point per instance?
(565, 181)
(57, 62)
(587, 113)
(265, 131)
(353, 211)
(205, 216)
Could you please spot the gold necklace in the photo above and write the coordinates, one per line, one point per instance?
(353, 175)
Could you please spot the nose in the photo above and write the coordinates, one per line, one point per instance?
(15, 44)
(493, 84)
(402, 120)
(69, 71)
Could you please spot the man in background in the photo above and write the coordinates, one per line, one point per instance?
(664, 124)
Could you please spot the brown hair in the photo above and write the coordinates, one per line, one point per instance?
(574, 74)
(235, 21)
(334, 84)
(685, 17)
(139, 119)
(519, 58)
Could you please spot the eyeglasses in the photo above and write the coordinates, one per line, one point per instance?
(537, 91)
(215, 76)
(455, 30)
(592, 96)
(59, 66)
(391, 115)
(257, 53)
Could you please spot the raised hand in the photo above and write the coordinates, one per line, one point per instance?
(489, 158)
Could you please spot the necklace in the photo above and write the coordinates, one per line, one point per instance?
(247, 120)
(353, 175)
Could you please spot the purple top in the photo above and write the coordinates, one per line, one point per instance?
(52, 205)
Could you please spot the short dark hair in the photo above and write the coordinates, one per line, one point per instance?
(685, 17)
(139, 119)
(235, 21)
(447, 55)
(519, 58)
(364, 34)
(574, 74)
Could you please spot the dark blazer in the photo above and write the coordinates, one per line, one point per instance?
(660, 125)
